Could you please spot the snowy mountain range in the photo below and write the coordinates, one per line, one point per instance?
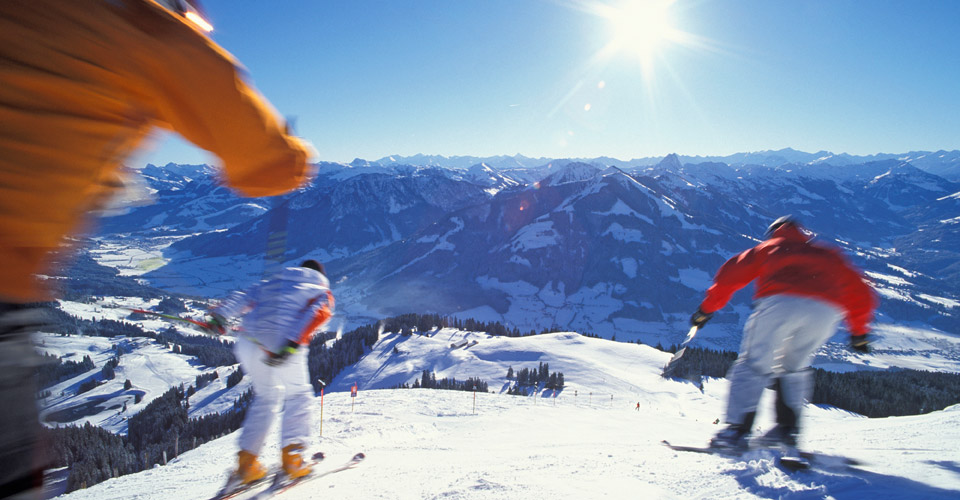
(943, 163)
(623, 251)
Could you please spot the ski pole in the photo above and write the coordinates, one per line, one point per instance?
(171, 317)
(671, 365)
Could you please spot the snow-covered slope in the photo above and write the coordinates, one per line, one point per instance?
(151, 368)
(590, 441)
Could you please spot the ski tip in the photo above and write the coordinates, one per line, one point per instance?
(318, 456)
(359, 456)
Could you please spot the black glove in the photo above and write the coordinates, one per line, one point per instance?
(860, 343)
(700, 318)
(280, 357)
(215, 325)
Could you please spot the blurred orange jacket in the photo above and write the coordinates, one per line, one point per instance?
(82, 82)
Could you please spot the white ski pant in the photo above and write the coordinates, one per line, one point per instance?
(288, 383)
(779, 340)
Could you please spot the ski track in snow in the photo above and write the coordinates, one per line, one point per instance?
(588, 442)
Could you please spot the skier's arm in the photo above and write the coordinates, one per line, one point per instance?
(199, 91)
(237, 303)
(323, 311)
(858, 300)
(733, 275)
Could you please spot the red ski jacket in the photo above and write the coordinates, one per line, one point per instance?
(788, 263)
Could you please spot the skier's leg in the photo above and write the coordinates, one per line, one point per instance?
(295, 377)
(752, 371)
(818, 322)
(786, 417)
(266, 395)
(22, 458)
(746, 387)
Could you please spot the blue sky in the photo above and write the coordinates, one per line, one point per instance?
(559, 78)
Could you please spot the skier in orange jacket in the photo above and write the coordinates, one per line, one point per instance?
(82, 83)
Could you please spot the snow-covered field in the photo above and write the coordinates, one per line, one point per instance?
(151, 368)
(590, 441)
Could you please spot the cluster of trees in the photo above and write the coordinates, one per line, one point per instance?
(161, 431)
(887, 393)
(326, 362)
(88, 385)
(406, 324)
(172, 305)
(428, 380)
(498, 329)
(202, 381)
(93, 454)
(872, 393)
(66, 324)
(234, 378)
(109, 369)
(209, 351)
(534, 377)
(54, 369)
(698, 362)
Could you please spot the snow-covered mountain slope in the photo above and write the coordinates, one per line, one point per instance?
(590, 441)
(603, 250)
(150, 367)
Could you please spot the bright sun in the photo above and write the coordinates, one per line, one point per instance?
(640, 27)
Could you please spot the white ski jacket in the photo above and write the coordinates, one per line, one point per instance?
(290, 306)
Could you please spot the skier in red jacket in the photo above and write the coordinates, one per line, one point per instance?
(803, 291)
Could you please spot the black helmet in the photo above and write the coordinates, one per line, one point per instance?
(313, 264)
(189, 9)
(782, 221)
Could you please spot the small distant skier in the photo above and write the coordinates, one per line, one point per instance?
(81, 86)
(803, 291)
(638, 406)
(280, 315)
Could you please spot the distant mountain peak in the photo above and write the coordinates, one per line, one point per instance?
(671, 162)
(572, 172)
(360, 162)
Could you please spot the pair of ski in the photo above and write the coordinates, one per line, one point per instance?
(279, 482)
(793, 462)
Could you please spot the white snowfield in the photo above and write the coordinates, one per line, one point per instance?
(151, 368)
(590, 441)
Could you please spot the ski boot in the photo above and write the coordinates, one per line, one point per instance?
(293, 463)
(734, 437)
(249, 469)
(780, 436)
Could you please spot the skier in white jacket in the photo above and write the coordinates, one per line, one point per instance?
(280, 316)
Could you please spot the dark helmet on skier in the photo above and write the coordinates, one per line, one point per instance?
(786, 220)
(190, 10)
(315, 265)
